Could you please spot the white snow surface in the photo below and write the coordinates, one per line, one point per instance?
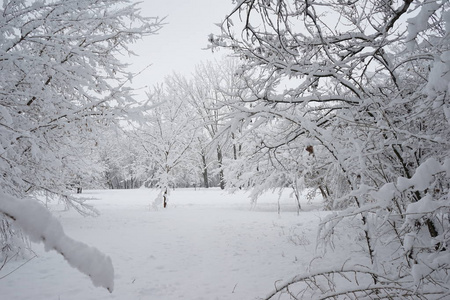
(207, 244)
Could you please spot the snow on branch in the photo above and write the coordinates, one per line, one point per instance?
(420, 181)
(349, 282)
(419, 23)
(40, 226)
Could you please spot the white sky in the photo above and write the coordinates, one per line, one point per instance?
(178, 46)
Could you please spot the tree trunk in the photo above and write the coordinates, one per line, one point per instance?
(165, 198)
(221, 174)
(297, 197)
(205, 172)
(235, 151)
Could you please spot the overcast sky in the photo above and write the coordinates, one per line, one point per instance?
(178, 46)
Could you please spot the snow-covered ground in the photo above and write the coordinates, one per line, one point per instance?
(207, 244)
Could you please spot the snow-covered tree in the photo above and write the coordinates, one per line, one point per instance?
(368, 100)
(188, 114)
(61, 84)
(207, 91)
(165, 141)
(118, 155)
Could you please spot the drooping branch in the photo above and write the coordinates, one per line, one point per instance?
(41, 227)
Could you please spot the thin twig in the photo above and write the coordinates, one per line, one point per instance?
(18, 267)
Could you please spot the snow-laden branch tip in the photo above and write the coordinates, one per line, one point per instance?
(41, 226)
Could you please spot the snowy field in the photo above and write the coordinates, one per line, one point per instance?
(207, 244)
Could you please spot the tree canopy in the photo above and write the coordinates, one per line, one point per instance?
(62, 83)
(353, 97)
